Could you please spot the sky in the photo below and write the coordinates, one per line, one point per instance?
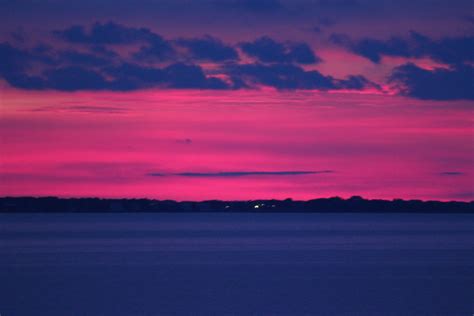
(237, 99)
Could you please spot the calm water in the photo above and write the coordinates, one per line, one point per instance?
(236, 264)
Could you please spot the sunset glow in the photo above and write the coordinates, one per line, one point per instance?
(274, 99)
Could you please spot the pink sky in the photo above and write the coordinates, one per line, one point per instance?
(107, 143)
(244, 99)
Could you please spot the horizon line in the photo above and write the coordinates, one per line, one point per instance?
(354, 197)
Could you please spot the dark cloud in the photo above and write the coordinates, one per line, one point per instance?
(282, 76)
(451, 83)
(74, 78)
(106, 33)
(132, 77)
(186, 141)
(286, 76)
(79, 71)
(452, 173)
(75, 70)
(449, 50)
(129, 76)
(24, 81)
(95, 109)
(156, 50)
(153, 46)
(267, 50)
(82, 109)
(453, 50)
(243, 173)
(182, 76)
(103, 51)
(14, 60)
(156, 174)
(373, 49)
(355, 83)
(83, 59)
(95, 66)
(209, 48)
(454, 83)
(17, 62)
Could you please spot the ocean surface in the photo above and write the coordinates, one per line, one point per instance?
(236, 264)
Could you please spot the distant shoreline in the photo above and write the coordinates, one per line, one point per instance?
(321, 205)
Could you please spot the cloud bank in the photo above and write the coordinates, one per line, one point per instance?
(115, 57)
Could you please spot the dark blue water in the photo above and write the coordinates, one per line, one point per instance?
(236, 264)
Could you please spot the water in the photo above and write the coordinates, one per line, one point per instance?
(236, 264)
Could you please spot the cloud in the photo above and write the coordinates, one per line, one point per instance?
(82, 109)
(74, 78)
(356, 82)
(129, 76)
(83, 59)
(154, 46)
(452, 83)
(94, 65)
(106, 33)
(182, 76)
(282, 76)
(178, 76)
(121, 78)
(455, 83)
(156, 174)
(103, 51)
(209, 48)
(449, 50)
(155, 51)
(452, 173)
(16, 60)
(290, 77)
(242, 173)
(266, 50)
(66, 70)
(97, 109)
(72, 70)
(186, 141)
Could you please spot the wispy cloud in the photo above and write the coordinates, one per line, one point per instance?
(451, 173)
(82, 109)
(156, 174)
(186, 141)
(241, 173)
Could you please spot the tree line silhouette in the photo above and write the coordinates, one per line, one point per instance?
(334, 204)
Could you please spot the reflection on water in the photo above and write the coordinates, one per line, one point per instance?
(236, 264)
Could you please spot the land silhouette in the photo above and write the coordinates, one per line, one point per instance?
(355, 204)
